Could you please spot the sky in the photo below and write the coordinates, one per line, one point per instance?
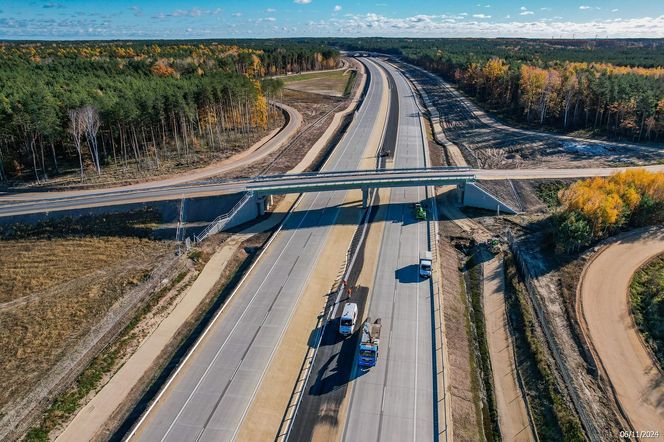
(170, 19)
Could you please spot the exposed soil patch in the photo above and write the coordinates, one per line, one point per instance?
(465, 388)
(555, 278)
(485, 143)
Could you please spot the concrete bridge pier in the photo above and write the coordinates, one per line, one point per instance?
(264, 203)
(365, 197)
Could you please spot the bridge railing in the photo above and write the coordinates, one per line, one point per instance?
(219, 222)
(363, 172)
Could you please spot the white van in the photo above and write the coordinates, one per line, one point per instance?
(348, 318)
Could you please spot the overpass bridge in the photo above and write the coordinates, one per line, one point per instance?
(256, 189)
(360, 179)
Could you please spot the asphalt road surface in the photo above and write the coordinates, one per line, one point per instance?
(208, 398)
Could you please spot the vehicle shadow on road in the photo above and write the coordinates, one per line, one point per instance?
(408, 274)
(337, 371)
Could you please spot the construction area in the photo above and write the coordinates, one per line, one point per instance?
(112, 332)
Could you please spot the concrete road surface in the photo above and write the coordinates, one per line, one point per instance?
(208, 398)
(604, 295)
(396, 400)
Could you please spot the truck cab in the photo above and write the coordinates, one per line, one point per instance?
(347, 319)
(426, 262)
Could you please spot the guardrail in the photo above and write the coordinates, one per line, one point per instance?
(288, 419)
(363, 172)
(219, 222)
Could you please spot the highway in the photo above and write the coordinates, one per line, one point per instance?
(322, 407)
(397, 400)
(211, 392)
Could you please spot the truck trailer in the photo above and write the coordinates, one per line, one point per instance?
(369, 343)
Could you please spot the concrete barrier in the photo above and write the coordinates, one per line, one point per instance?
(475, 196)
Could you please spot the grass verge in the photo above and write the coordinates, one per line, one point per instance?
(554, 419)
(474, 289)
(647, 305)
(89, 380)
(350, 82)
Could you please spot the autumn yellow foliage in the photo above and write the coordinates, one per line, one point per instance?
(611, 201)
(162, 70)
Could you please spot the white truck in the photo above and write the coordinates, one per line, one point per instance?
(425, 264)
(348, 318)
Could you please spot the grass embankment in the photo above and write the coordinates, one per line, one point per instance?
(69, 402)
(647, 305)
(338, 82)
(58, 281)
(478, 329)
(553, 417)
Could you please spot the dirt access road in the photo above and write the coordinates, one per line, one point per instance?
(608, 324)
(264, 147)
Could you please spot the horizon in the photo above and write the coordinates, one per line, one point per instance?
(324, 37)
(84, 20)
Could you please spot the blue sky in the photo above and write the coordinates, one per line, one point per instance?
(86, 19)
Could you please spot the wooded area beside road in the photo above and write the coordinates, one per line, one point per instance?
(87, 106)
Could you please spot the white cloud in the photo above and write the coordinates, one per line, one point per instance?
(373, 24)
(615, 10)
(270, 10)
(193, 12)
(481, 16)
(526, 13)
(523, 8)
(337, 8)
(236, 14)
(584, 7)
(302, 2)
(508, 16)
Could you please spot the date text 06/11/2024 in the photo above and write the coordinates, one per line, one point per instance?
(629, 434)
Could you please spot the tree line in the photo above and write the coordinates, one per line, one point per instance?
(626, 102)
(89, 105)
(614, 87)
(595, 208)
